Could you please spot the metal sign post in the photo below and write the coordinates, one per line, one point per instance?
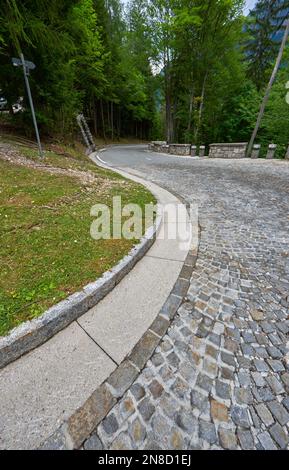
(27, 65)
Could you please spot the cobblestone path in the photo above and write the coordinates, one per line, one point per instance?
(220, 377)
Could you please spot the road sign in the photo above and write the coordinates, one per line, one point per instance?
(27, 65)
(18, 63)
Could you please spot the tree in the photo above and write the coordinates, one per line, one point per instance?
(275, 123)
(268, 89)
(60, 37)
(126, 105)
(265, 30)
(196, 43)
(173, 69)
(159, 24)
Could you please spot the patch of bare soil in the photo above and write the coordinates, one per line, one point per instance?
(9, 153)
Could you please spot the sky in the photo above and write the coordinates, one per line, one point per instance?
(249, 5)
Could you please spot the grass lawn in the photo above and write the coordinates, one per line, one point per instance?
(46, 250)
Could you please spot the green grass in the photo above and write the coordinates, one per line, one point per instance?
(46, 250)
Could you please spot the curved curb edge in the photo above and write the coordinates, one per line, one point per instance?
(34, 333)
(77, 428)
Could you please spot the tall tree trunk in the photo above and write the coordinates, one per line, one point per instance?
(168, 118)
(190, 111)
(112, 134)
(118, 123)
(108, 116)
(201, 108)
(268, 90)
(102, 119)
(168, 90)
(94, 115)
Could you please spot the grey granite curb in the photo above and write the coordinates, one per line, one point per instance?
(72, 433)
(32, 334)
(78, 427)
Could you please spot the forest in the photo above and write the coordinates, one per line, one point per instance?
(182, 70)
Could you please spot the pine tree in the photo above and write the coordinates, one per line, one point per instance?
(265, 29)
(269, 87)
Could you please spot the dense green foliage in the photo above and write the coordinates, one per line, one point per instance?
(85, 60)
(264, 30)
(182, 70)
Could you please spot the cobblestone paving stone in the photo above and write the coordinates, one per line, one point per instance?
(220, 377)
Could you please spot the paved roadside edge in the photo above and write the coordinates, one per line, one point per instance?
(32, 334)
(77, 428)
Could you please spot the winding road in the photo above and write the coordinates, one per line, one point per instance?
(219, 378)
